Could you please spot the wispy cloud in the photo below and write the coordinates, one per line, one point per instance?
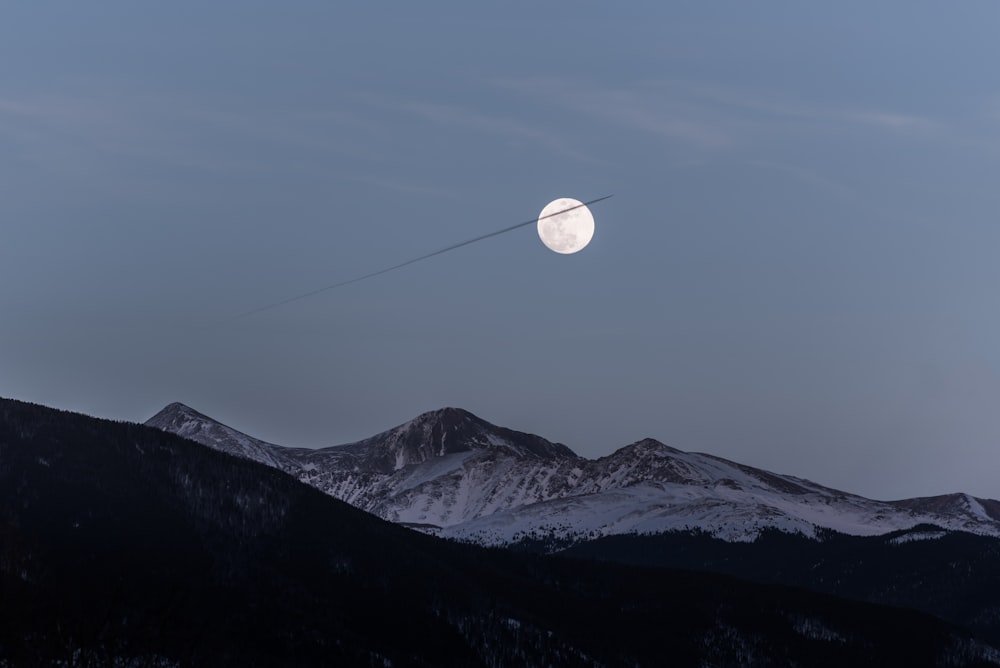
(95, 128)
(502, 126)
(810, 177)
(637, 108)
(709, 115)
(91, 128)
(776, 105)
(891, 121)
(407, 187)
(661, 117)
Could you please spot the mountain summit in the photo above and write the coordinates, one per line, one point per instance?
(453, 473)
(447, 431)
(189, 423)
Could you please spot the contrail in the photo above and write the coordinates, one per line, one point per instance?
(394, 267)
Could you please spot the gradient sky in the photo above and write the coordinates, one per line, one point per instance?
(798, 271)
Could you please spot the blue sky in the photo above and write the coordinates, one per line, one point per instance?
(797, 271)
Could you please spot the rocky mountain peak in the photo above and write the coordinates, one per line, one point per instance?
(181, 419)
(650, 446)
(449, 431)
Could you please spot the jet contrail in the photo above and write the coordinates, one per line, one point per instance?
(409, 262)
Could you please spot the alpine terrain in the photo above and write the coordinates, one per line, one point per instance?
(450, 473)
(454, 474)
(122, 545)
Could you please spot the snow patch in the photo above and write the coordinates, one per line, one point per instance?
(916, 536)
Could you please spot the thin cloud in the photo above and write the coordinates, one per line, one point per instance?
(454, 116)
(180, 132)
(407, 188)
(707, 115)
(811, 177)
(891, 121)
(637, 108)
(632, 111)
(778, 105)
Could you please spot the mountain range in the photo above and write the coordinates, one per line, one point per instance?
(123, 545)
(454, 474)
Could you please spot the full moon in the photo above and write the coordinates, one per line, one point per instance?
(569, 231)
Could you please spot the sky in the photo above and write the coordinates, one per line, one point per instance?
(798, 269)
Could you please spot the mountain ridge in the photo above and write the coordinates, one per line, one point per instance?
(454, 473)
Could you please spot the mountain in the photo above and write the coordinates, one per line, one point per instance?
(451, 472)
(128, 546)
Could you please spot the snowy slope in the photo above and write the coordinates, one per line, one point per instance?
(451, 472)
(189, 423)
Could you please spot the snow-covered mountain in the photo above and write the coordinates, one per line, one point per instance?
(457, 475)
